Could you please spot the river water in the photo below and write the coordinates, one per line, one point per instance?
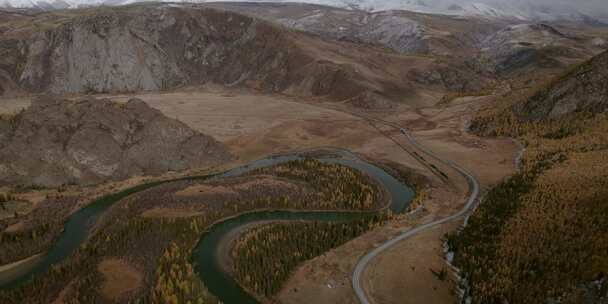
(205, 255)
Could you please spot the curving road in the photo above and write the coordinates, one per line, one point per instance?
(473, 184)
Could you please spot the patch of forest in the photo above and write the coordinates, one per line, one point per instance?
(161, 247)
(34, 232)
(266, 256)
(296, 185)
(542, 235)
(337, 186)
(38, 229)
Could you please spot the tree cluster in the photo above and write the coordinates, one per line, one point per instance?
(542, 235)
(267, 255)
(338, 186)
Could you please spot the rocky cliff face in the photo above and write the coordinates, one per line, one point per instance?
(146, 48)
(584, 89)
(54, 142)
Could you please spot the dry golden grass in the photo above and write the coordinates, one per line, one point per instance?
(120, 278)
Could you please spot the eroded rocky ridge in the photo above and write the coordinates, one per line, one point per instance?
(54, 142)
(583, 89)
(143, 48)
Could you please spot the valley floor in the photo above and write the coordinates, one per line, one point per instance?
(254, 125)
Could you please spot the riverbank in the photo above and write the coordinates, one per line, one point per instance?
(226, 246)
(327, 279)
(13, 265)
(214, 273)
(77, 229)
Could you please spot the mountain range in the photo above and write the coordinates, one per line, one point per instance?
(593, 11)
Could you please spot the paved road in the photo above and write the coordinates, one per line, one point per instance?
(474, 186)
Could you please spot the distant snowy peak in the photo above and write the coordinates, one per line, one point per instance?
(481, 8)
(41, 4)
(490, 11)
(516, 9)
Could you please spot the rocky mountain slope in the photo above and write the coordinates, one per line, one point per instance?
(500, 47)
(529, 11)
(589, 10)
(54, 142)
(403, 31)
(529, 47)
(162, 46)
(332, 53)
(141, 48)
(582, 90)
(570, 97)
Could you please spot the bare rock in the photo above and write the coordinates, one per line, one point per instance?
(584, 89)
(152, 47)
(54, 142)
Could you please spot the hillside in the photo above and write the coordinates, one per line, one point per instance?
(560, 100)
(477, 46)
(298, 50)
(402, 31)
(528, 48)
(161, 47)
(55, 142)
(541, 236)
(582, 90)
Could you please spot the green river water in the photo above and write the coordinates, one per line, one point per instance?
(205, 255)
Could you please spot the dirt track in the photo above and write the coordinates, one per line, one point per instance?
(365, 260)
(402, 273)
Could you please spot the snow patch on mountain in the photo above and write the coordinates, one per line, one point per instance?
(527, 10)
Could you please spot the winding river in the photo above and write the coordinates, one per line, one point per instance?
(205, 255)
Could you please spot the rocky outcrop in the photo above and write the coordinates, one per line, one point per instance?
(146, 48)
(575, 96)
(527, 47)
(584, 89)
(54, 142)
(460, 78)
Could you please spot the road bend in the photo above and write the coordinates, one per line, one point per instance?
(470, 204)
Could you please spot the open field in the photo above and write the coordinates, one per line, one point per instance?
(120, 278)
(256, 125)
